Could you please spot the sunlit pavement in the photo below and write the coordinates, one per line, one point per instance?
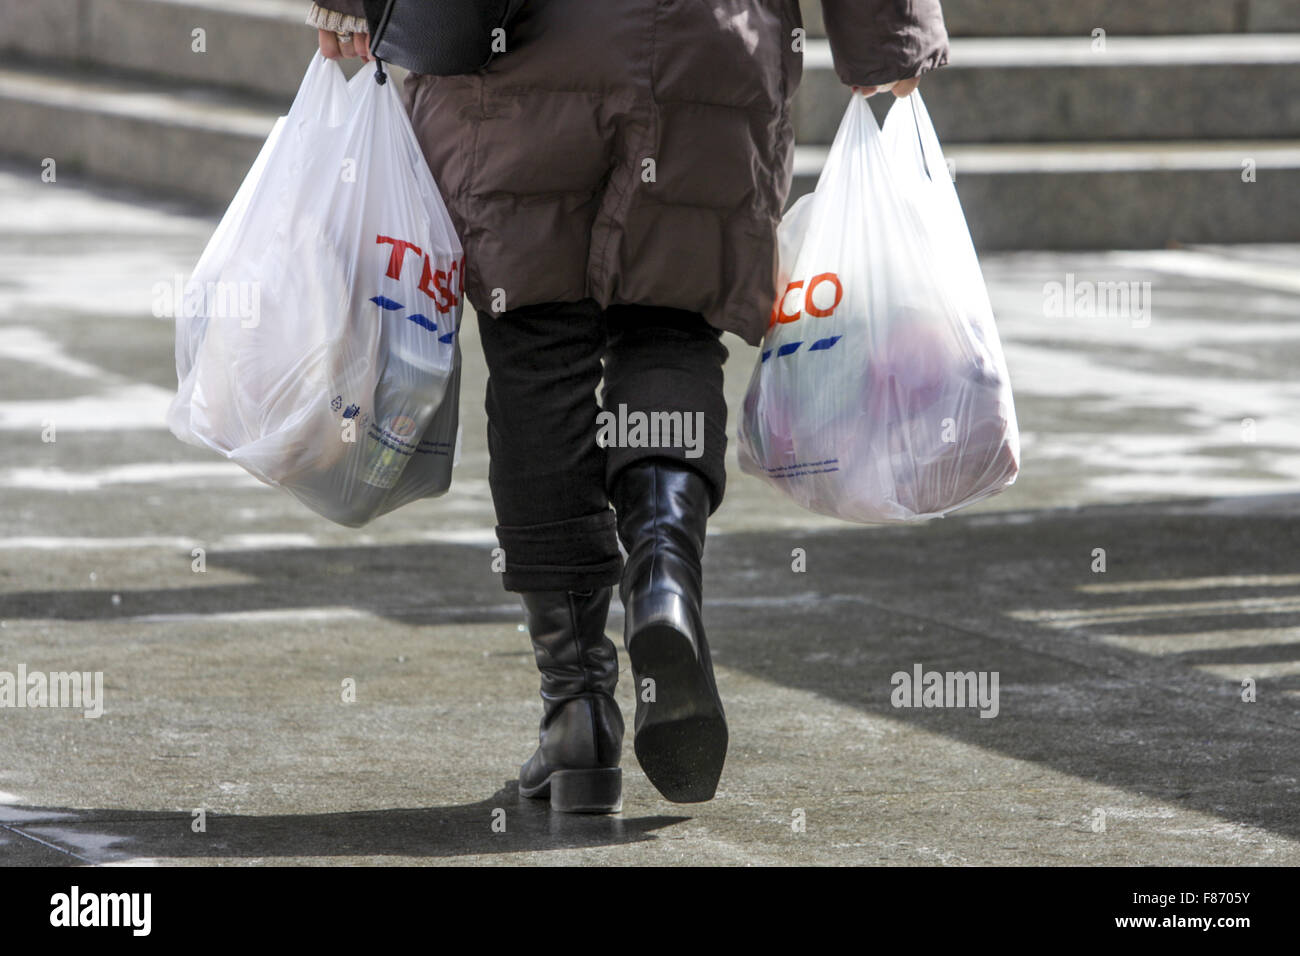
(1170, 439)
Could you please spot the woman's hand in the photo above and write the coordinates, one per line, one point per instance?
(901, 88)
(332, 47)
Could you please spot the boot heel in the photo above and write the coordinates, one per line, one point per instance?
(587, 791)
(666, 609)
(681, 737)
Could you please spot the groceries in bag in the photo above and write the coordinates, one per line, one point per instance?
(881, 393)
(343, 387)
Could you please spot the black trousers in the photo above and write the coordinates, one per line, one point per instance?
(556, 453)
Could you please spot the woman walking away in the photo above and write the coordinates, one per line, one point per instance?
(616, 176)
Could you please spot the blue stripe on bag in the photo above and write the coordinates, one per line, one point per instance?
(791, 347)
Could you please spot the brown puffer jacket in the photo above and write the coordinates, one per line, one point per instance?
(640, 151)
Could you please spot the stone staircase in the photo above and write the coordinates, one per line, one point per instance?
(1056, 140)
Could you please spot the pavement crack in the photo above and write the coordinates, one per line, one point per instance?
(45, 843)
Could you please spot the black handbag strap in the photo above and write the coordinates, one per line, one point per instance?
(378, 24)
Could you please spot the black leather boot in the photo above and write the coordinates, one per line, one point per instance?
(680, 729)
(581, 740)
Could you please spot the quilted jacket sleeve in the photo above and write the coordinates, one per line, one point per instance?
(879, 41)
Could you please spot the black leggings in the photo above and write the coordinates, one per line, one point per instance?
(550, 476)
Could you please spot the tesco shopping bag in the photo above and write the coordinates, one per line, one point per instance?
(881, 393)
(317, 346)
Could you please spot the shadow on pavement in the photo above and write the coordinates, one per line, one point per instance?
(430, 583)
(118, 835)
(1096, 679)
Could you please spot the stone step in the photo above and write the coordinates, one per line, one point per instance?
(257, 45)
(1116, 17)
(998, 89)
(1060, 89)
(1147, 88)
(263, 45)
(1119, 195)
(194, 143)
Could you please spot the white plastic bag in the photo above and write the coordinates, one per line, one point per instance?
(881, 394)
(318, 343)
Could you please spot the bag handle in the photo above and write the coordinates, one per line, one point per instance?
(920, 140)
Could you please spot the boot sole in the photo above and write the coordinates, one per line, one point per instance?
(581, 791)
(681, 738)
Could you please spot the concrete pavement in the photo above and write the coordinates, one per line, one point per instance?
(1121, 737)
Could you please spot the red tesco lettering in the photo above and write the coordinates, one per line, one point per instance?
(443, 287)
(809, 307)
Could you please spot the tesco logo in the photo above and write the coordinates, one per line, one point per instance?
(822, 295)
(443, 288)
(818, 297)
